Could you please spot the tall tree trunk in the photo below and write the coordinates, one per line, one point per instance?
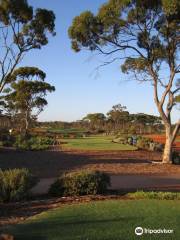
(26, 122)
(167, 155)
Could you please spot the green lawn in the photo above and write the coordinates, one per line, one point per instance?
(67, 130)
(105, 220)
(95, 143)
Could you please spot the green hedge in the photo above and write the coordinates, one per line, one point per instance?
(15, 184)
(80, 183)
(176, 157)
(155, 195)
(139, 141)
(32, 143)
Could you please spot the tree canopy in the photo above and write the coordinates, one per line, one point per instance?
(26, 97)
(145, 36)
(22, 29)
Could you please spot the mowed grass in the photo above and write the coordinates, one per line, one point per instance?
(66, 130)
(95, 143)
(103, 220)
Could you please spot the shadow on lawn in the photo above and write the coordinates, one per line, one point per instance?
(47, 164)
(62, 227)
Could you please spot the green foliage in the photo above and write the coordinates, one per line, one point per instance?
(7, 143)
(177, 99)
(102, 220)
(155, 195)
(149, 144)
(27, 73)
(32, 143)
(176, 157)
(116, 24)
(96, 143)
(139, 141)
(6, 139)
(145, 36)
(93, 117)
(144, 143)
(118, 114)
(80, 183)
(27, 94)
(15, 184)
(120, 140)
(26, 28)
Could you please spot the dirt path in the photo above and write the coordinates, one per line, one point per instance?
(146, 182)
(126, 182)
(43, 186)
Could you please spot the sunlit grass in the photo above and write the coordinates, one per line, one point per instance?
(95, 143)
(107, 220)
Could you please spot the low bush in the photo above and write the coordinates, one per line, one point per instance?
(32, 143)
(7, 140)
(144, 143)
(15, 184)
(7, 143)
(155, 195)
(80, 183)
(176, 157)
(155, 146)
(139, 141)
(120, 140)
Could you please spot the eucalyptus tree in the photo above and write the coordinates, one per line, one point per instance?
(145, 122)
(22, 29)
(26, 96)
(145, 35)
(119, 116)
(96, 120)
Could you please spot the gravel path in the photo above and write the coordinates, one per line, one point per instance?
(146, 182)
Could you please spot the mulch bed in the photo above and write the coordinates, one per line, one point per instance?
(49, 164)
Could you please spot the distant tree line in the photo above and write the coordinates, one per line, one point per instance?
(117, 120)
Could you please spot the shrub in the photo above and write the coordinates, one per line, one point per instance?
(144, 143)
(159, 147)
(80, 183)
(32, 143)
(176, 157)
(15, 184)
(7, 143)
(130, 140)
(6, 140)
(155, 146)
(149, 144)
(155, 195)
(121, 140)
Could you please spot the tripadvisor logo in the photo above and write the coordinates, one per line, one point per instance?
(139, 231)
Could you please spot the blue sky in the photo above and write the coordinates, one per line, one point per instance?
(80, 89)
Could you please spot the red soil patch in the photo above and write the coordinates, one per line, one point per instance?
(49, 164)
(162, 139)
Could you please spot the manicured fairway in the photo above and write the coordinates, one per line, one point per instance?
(66, 130)
(95, 143)
(104, 220)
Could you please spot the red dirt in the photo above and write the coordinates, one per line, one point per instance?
(162, 139)
(48, 164)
